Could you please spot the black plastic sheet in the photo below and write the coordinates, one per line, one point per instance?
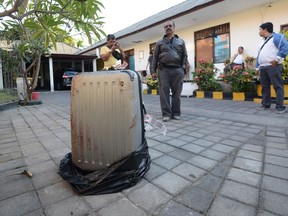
(115, 178)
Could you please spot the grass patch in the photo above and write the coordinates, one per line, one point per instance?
(7, 96)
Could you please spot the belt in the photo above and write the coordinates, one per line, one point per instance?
(169, 66)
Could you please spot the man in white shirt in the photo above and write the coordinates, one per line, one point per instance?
(273, 49)
(237, 59)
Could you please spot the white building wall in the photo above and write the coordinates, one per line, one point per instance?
(244, 29)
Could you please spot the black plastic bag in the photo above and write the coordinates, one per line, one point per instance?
(115, 178)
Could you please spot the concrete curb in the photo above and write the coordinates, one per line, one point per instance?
(8, 105)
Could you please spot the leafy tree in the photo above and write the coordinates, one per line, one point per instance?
(34, 26)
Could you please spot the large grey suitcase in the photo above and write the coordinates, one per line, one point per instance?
(107, 119)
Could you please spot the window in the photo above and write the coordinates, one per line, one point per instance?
(284, 27)
(213, 44)
(151, 46)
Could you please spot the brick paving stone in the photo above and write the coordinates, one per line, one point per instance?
(196, 198)
(181, 154)
(171, 183)
(187, 138)
(250, 155)
(183, 131)
(121, 207)
(247, 164)
(253, 148)
(275, 185)
(154, 171)
(210, 183)
(276, 171)
(37, 158)
(276, 134)
(276, 139)
(176, 142)
(197, 134)
(215, 155)
(5, 157)
(149, 197)
(228, 161)
(55, 193)
(154, 153)
(277, 145)
(226, 207)
(20, 205)
(232, 143)
(193, 148)
(175, 209)
(212, 138)
(277, 152)
(223, 148)
(244, 176)
(32, 149)
(202, 162)
(12, 164)
(204, 143)
(276, 160)
(264, 213)
(173, 134)
(17, 187)
(189, 171)
(167, 162)
(164, 148)
(243, 193)
(220, 171)
(99, 201)
(68, 206)
(240, 138)
(275, 203)
(41, 180)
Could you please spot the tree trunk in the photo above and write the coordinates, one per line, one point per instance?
(32, 82)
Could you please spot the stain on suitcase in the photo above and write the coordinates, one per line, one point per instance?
(106, 117)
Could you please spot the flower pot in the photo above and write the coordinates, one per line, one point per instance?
(154, 91)
(226, 87)
(199, 94)
(208, 94)
(35, 96)
(218, 95)
(249, 96)
(238, 96)
(273, 94)
(227, 95)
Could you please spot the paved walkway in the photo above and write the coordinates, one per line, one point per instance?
(223, 158)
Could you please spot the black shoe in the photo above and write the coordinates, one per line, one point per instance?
(177, 117)
(263, 107)
(166, 118)
(281, 110)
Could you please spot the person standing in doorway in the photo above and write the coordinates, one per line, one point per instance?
(150, 61)
(170, 58)
(273, 50)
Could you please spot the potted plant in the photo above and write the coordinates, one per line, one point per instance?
(241, 80)
(152, 83)
(205, 78)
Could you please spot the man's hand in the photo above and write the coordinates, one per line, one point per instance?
(274, 63)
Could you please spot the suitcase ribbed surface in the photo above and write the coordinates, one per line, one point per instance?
(105, 118)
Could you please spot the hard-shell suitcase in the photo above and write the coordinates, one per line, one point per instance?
(107, 119)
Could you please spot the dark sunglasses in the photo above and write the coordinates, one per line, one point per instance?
(168, 26)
